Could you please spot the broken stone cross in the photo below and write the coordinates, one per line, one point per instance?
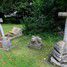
(59, 54)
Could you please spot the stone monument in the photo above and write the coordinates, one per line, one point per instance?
(36, 42)
(59, 54)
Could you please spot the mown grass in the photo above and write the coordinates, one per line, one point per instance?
(22, 56)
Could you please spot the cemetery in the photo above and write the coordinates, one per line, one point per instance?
(33, 33)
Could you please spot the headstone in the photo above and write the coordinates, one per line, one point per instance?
(36, 42)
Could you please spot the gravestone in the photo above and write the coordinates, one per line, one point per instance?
(59, 54)
(36, 42)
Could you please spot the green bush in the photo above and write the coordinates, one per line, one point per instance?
(37, 25)
(44, 13)
(45, 16)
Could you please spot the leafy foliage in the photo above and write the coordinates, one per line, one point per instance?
(45, 16)
(37, 15)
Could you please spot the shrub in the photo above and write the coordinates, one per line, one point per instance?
(41, 15)
(45, 16)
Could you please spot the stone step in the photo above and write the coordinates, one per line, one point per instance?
(55, 61)
(58, 49)
(57, 55)
(60, 44)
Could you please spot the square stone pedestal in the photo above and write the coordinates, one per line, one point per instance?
(58, 53)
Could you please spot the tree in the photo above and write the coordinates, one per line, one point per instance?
(45, 16)
(38, 15)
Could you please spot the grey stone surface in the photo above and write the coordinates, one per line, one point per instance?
(58, 49)
(64, 56)
(65, 49)
(57, 54)
(64, 59)
(55, 62)
(63, 65)
(36, 42)
(6, 44)
(59, 46)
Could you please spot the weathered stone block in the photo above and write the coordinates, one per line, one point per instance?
(57, 53)
(36, 42)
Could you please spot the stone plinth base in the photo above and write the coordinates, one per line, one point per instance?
(58, 56)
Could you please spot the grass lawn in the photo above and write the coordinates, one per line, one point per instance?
(22, 56)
